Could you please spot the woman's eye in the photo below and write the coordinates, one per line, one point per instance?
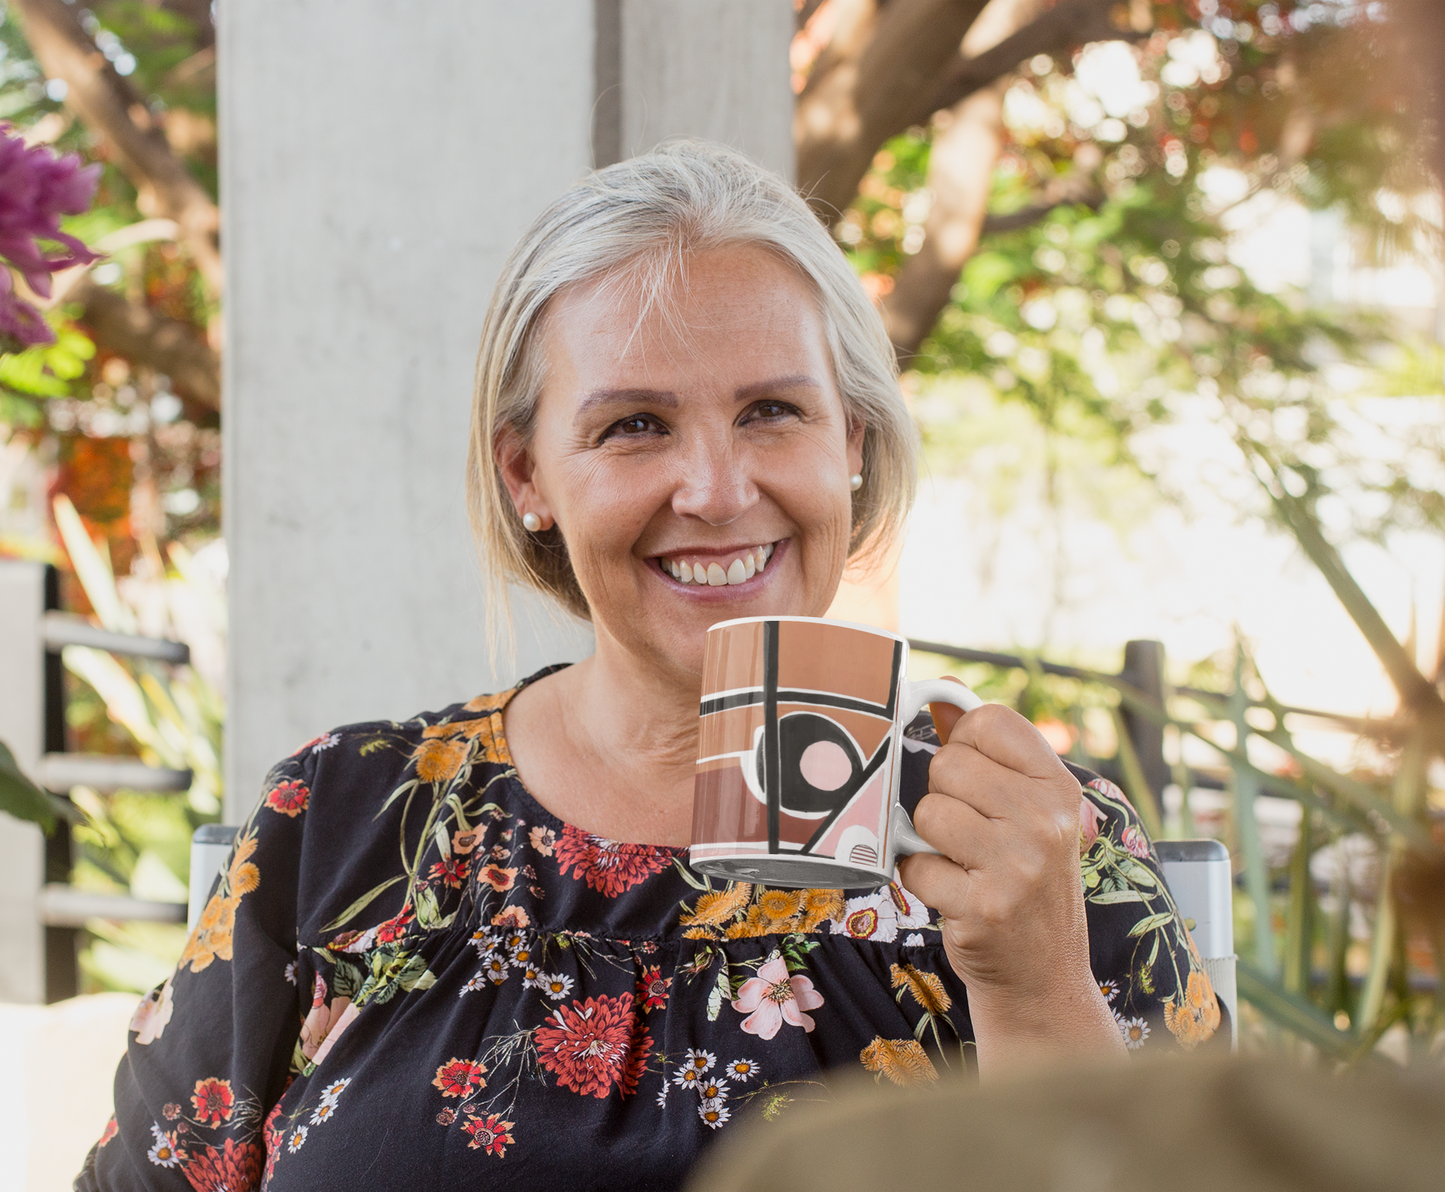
(772, 410)
(637, 424)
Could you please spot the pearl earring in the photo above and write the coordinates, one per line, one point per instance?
(855, 481)
(531, 522)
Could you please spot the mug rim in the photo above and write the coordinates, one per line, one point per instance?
(873, 629)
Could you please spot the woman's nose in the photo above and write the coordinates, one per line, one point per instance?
(715, 487)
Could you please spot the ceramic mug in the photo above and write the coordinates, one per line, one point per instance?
(799, 752)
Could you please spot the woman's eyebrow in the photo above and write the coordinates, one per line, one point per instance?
(776, 385)
(617, 397)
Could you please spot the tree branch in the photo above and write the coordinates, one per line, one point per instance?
(144, 337)
(883, 58)
(112, 109)
(1068, 23)
(960, 167)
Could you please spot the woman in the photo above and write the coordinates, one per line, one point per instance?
(468, 946)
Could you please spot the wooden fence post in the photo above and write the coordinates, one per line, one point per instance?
(1144, 669)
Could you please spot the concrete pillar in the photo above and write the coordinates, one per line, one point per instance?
(379, 158)
(22, 728)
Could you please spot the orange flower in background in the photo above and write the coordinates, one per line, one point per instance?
(1196, 1017)
(213, 1100)
(903, 1061)
(500, 879)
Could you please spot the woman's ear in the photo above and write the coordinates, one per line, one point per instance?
(514, 463)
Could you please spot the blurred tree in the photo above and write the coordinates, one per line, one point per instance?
(1053, 219)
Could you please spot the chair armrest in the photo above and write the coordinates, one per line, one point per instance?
(1199, 876)
(210, 846)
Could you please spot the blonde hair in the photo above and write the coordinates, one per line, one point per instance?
(636, 221)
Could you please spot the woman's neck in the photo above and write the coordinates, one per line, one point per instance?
(610, 745)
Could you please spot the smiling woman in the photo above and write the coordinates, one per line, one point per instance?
(468, 947)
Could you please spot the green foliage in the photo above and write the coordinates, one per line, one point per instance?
(24, 800)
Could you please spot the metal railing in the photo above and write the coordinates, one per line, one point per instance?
(41, 914)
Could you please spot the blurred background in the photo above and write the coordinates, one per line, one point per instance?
(1164, 280)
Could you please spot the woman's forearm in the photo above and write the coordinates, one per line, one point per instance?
(1013, 1034)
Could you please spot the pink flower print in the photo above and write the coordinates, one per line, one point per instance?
(772, 998)
(1136, 842)
(1090, 817)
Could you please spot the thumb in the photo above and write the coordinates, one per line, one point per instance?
(945, 716)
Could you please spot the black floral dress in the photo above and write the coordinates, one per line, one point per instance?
(411, 975)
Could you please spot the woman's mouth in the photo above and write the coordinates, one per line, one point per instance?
(711, 569)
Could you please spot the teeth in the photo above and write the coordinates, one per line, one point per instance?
(739, 571)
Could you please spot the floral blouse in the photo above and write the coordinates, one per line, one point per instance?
(410, 974)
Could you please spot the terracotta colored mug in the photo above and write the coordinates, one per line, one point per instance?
(798, 760)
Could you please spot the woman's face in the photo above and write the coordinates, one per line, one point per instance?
(704, 439)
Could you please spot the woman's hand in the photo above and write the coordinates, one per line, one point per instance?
(1004, 812)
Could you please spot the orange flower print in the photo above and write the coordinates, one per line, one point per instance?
(903, 1061)
(1196, 1018)
(497, 877)
(213, 1100)
(212, 938)
(464, 842)
(111, 1130)
(489, 1135)
(512, 916)
(445, 748)
(460, 1078)
(289, 798)
(543, 840)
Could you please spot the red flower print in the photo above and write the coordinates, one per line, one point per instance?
(289, 798)
(489, 1135)
(213, 1100)
(652, 989)
(460, 1078)
(592, 1045)
(394, 928)
(453, 872)
(607, 865)
(111, 1130)
(231, 1168)
(273, 1135)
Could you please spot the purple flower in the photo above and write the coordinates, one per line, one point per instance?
(36, 189)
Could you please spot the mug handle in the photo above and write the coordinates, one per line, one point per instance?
(906, 841)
